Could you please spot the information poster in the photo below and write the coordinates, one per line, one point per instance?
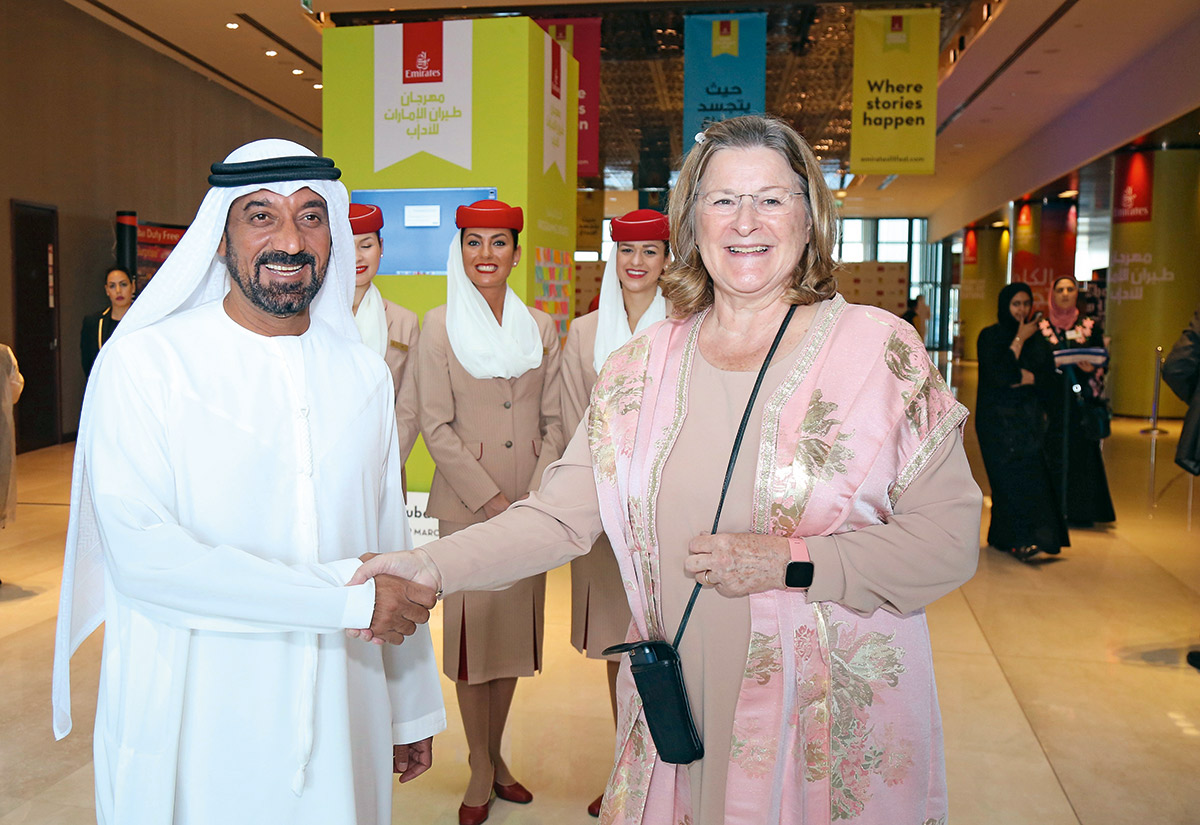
(724, 69)
(423, 91)
(581, 37)
(893, 125)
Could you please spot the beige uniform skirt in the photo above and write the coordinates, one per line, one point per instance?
(493, 634)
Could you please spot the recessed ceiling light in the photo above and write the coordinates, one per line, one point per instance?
(271, 52)
(318, 85)
(231, 25)
(1068, 193)
(999, 224)
(297, 71)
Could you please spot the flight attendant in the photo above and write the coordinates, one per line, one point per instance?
(388, 328)
(488, 390)
(630, 301)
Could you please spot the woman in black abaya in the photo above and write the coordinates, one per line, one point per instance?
(1011, 423)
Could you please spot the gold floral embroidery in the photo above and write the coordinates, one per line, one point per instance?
(752, 750)
(858, 668)
(764, 657)
(619, 391)
(817, 458)
(764, 495)
(898, 356)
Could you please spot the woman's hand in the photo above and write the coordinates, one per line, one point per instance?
(495, 505)
(738, 564)
(1025, 330)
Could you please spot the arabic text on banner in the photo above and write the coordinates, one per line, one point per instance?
(554, 108)
(724, 69)
(423, 92)
(581, 37)
(893, 124)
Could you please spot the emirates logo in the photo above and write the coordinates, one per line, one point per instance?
(1128, 198)
(423, 61)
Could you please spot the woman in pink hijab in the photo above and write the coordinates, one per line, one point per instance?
(1078, 414)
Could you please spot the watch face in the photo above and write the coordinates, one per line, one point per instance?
(798, 574)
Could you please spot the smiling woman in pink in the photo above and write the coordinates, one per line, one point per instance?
(488, 385)
(806, 660)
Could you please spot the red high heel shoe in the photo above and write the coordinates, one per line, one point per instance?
(516, 792)
(473, 814)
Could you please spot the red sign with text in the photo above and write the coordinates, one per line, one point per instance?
(581, 37)
(1135, 187)
(970, 248)
(423, 52)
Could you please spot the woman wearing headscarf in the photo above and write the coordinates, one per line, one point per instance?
(630, 302)
(389, 329)
(1072, 388)
(488, 387)
(849, 507)
(99, 327)
(1011, 424)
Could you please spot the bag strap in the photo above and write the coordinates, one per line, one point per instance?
(737, 445)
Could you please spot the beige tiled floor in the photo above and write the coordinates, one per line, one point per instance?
(1064, 694)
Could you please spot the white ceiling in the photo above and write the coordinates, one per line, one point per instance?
(1087, 59)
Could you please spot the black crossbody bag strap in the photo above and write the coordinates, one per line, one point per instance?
(737, 445)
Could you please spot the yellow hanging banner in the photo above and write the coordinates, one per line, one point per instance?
(725, 37)
(894, 117)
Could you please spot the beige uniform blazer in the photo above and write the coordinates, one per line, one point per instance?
(488, 436)
(599, 610)
(403, 332)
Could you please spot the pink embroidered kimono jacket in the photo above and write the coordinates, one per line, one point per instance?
(836, 711)
(836, 716)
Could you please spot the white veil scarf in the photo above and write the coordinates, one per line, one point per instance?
(371, 320)
(612, 323)
(193, 275)
(485, 348)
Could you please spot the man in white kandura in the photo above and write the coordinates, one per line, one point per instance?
(236, 456)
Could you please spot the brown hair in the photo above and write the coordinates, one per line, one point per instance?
(686, 282)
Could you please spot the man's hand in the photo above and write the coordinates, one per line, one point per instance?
(496, 505)
(738, 564)
(410, 761)
(400, 605)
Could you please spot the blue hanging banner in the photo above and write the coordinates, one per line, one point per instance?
(724, 69)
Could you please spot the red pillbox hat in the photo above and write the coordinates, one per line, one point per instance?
(490, 214)
(641, 225)
(365, 217)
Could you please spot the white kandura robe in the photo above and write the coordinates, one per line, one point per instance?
(236, 479)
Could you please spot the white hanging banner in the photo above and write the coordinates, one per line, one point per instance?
(423, 101)
(554, 108)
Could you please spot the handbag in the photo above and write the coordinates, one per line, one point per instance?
(655, 664)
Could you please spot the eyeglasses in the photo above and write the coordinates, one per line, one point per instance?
(767, 202)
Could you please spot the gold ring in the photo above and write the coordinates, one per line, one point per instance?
(706, 579)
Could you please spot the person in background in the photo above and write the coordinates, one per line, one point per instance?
(488, 388)
(1011, 424)
(630, 302)
(99, 327)
(1181, 372)
(807, 659)
(916, 314)
(11, 385)
(387, 328)
(1072, 386)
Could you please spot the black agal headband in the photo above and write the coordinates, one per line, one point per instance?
(272, 170)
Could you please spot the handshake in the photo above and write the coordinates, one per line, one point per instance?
(407, 586)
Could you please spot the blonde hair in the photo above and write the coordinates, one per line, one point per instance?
(686, 283)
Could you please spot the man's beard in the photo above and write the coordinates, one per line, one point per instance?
(283, 300)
